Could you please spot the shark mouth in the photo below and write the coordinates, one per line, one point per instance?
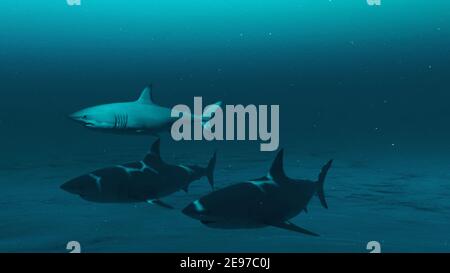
(82, 121)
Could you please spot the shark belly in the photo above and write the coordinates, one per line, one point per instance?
(242, 205)
(297, 198)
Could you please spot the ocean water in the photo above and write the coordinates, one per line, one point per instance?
(368, 86)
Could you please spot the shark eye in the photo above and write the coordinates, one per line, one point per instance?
(84, 117)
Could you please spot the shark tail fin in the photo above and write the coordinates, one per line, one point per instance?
(208, 115)
(320, 183)
(210, 170)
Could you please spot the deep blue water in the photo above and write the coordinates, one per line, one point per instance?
(367, 86)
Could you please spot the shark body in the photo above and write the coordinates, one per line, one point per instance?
(271, 200)
(141, 181)
(142, 116)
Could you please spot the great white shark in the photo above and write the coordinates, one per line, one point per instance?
(142, 116)
(147, 180)
(271, 200)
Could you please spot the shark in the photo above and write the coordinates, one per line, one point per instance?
(142, 116)
(147, 180)
(271, 200)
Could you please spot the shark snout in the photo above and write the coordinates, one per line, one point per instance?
(71, 187)
(76, 117)
(81, 118)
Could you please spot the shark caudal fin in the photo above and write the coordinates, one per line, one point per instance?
(209, 113)
(210, 170)
(321, 181)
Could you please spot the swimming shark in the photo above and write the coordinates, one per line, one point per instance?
(147, 180)
(271, 200)
(142, 116)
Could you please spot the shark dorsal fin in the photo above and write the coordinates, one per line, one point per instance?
(146, 96)
(276, 172)
(154, 157)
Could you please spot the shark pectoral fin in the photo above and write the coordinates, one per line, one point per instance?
(159, 203)
(292, 227)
